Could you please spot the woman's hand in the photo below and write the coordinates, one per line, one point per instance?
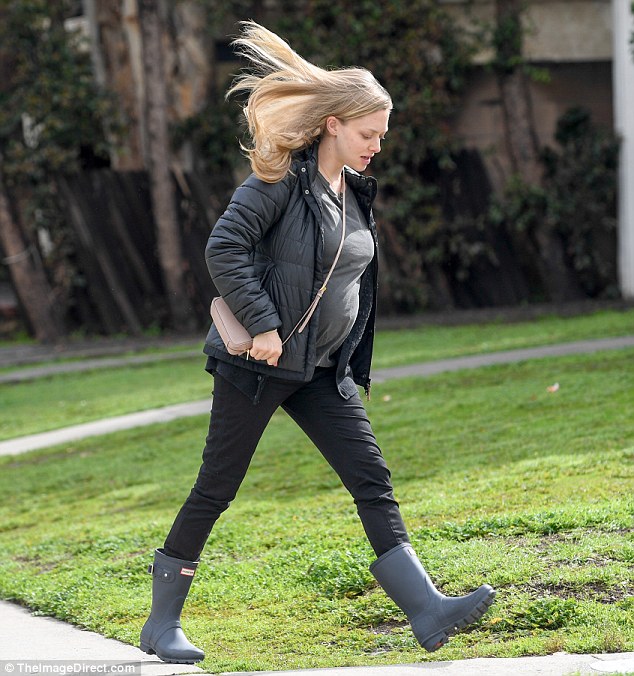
(267, 346)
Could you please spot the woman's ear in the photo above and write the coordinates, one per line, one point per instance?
(332, 125)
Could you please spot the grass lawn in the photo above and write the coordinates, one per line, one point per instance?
(76, 398)
(499, 480)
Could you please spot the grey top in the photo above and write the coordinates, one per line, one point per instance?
(340, 303)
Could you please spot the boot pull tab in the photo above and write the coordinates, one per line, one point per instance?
(164, 574)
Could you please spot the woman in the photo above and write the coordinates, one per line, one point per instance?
(314, 132)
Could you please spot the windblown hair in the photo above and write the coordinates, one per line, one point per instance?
(289, 99)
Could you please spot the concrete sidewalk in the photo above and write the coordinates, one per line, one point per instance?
(424, 369)
(24, 636)
(64, 435)
(94, 364)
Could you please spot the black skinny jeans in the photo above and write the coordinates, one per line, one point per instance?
(339, 428)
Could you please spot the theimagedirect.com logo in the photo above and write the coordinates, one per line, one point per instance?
(68, 667)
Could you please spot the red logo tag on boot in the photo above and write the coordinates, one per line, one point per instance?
(188, 571)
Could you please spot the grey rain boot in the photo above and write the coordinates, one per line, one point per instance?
(162, 633)
(433, 616)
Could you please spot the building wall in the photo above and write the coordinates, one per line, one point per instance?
(572, 40)
(556, 30)
(479, 122)
(569, 30)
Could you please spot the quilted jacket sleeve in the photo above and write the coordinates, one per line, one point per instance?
(254, 208)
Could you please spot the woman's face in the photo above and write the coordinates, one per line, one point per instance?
(356, 141)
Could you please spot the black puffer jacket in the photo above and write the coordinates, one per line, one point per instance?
(265, 257)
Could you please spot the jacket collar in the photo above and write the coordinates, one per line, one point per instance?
(307, 157)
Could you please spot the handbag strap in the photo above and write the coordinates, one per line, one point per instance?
(305, 318)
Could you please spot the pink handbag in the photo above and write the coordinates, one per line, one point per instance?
(235, 337)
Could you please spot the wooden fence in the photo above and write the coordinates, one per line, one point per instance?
(115, 254)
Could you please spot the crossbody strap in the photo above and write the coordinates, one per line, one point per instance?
(303, 322)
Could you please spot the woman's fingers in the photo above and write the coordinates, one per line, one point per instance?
(267, 347)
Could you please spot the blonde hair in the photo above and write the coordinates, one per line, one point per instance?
(289, 99)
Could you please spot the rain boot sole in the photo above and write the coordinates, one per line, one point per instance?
(169, 660)
(438, 640)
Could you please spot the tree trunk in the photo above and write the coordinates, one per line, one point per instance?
(163, 194)
(116, 62)
(521, 139)
(190, 60)
(519, 124)
(28, 277)
(523, 146)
